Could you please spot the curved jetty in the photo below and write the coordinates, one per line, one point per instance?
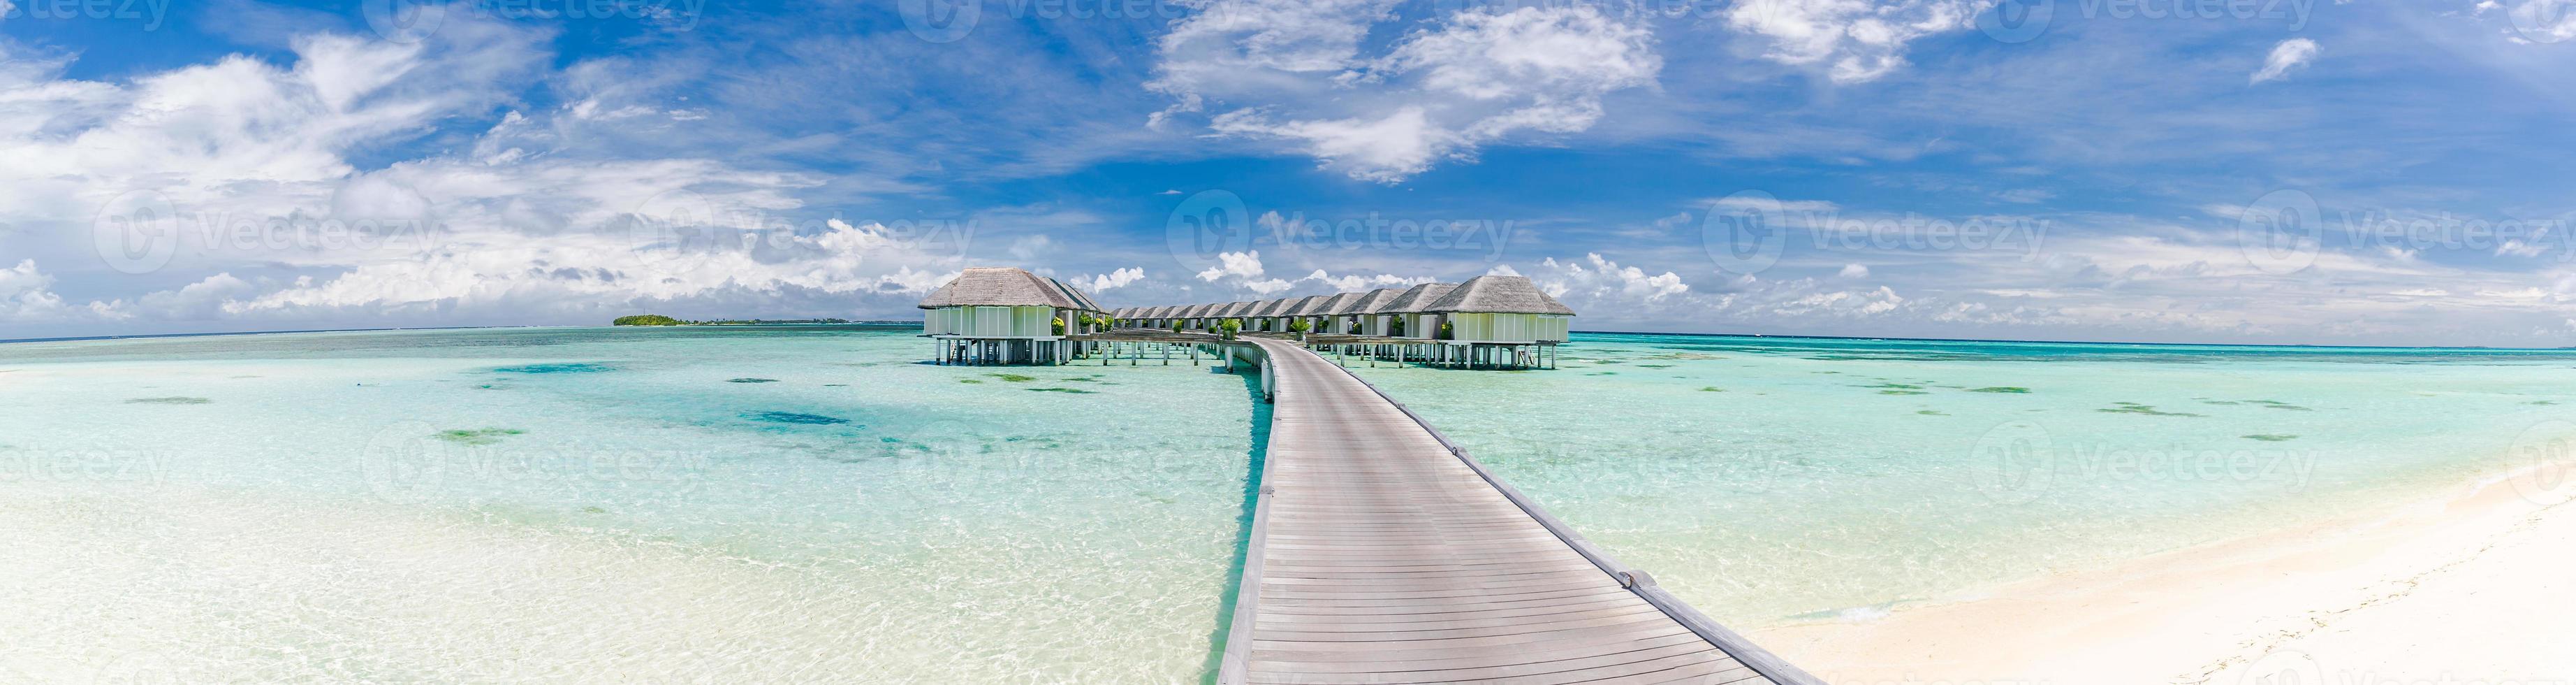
(1382, 553)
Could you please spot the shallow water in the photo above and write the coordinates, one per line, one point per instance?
(611, 494)
(1774, 480)
(811, 503)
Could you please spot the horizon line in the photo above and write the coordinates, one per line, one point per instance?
(897, 322)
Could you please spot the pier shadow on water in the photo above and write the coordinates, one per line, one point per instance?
(1260, 446)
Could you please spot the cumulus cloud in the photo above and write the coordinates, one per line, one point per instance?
(2290, 54)
(1853, 40)
(1246, 265)
(248, 166)
(1114, 279)
(1595, 279)
(1294, 71)
(1853, 271)
(25, 293)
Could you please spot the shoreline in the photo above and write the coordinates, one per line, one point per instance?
(2450, 588)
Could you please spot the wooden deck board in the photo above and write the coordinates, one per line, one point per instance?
(1384, 558)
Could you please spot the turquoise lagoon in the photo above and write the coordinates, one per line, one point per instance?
(812, 503)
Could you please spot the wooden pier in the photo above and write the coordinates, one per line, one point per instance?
(1383, 553)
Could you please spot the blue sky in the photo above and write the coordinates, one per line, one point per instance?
(2363, 172)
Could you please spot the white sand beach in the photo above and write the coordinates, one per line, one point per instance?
(2469, 587)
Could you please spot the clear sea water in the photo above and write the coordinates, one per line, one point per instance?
(813, 504)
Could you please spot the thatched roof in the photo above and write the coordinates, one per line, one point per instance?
(1237, 309)
(1271, 308)
(1304, 306)
(1367, 302)
(1332, 304)
(1002, 286)
(1197, 311)
(1498, 295)
(1413, 300)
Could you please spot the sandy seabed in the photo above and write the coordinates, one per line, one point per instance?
(2475, 586)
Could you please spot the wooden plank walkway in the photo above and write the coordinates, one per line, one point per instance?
(1382, 554)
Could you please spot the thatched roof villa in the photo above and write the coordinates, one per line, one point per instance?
(1004, 315)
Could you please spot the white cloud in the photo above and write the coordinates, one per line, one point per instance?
(2025, 195)
(513, 228)
(1030, 248)
(1115, 279)
(1855, 40)
(2290, 54)
(1853, 271)
(25, 293)
(1595, 279)
(1243, 265)
(1293, 71)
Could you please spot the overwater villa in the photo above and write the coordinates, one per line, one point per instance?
(1003, 315)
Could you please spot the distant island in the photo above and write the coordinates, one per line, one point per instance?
(660, 320)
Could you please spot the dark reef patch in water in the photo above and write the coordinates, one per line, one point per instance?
(790, 417)
(1903, 392)
(1070, 390)
(2003, 389)
(571, 367)
(477, 437)
(169, 400)
(1013, 377)
(1712, 388)
(1928, 412)
(752, 380)
(2140, 409)
(2271, 437)
(2270, 404)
